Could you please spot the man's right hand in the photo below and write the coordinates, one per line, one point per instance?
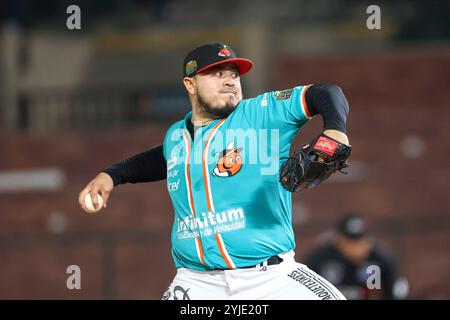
(102, 184)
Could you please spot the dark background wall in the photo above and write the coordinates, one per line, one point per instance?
(115, 102)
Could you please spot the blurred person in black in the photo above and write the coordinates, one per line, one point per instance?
(350, 260)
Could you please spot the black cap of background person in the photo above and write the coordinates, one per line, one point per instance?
(210, 55)
(353, 226)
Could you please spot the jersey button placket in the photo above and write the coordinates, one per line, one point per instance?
(198, 187)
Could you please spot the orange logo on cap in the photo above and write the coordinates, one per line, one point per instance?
(224, 52)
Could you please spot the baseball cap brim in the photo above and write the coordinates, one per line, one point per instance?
(244, 65)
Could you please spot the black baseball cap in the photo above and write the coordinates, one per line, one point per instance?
(352, 226)
(210, 55)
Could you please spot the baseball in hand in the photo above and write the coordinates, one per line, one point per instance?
(90, 206)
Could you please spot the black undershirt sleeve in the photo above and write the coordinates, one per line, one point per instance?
(329, 101)
(147, 166)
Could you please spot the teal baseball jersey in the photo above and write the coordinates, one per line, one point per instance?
(230, 209)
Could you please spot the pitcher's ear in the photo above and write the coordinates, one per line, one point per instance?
(189, 84)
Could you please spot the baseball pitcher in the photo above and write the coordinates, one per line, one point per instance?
(230, 177)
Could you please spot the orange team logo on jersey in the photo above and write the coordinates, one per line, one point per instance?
(230, 162)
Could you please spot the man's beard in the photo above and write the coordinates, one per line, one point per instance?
(218, 113)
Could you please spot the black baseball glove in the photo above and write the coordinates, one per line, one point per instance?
(314, 163)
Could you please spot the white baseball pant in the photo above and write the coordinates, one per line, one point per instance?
(288, 280)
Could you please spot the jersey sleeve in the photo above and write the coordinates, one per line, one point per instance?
(279, 109)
